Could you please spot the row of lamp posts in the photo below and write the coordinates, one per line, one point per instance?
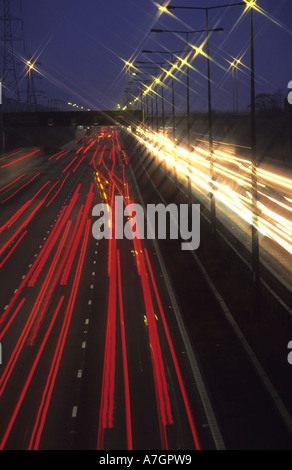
(255, 234)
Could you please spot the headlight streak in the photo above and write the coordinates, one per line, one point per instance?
(232, 185)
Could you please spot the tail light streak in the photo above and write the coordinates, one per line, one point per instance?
(67, 246)
(125, 361)
(47, 394)
(20, 159)
(44, 253)
(30, 376)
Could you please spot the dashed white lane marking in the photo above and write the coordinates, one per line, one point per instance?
(84, 345)
(87, 321)
(79, 374)
(90, 302)
(74, 411)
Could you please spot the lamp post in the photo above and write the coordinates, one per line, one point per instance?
(173, 94)
(30, 67)
(145, 83)
(255, 234)
(248, 4)
(156, 95)
(31, 95)
(146, 102)
(160, 64)
(234, 67)
(187, 33)
(211, 142)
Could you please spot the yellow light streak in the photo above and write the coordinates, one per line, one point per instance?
(232, 185)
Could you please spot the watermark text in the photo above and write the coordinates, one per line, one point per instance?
(290, 93)
(289, 358)
(176, 222)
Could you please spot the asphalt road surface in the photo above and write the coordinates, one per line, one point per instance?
(91, 353)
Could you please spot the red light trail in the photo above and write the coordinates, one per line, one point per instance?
(20, 159)
(46, 299)
(163, 402)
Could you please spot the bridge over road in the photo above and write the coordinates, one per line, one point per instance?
(71, 118)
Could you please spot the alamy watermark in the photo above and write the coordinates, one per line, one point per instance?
(289, 357)
(180, 221)
(290, 93)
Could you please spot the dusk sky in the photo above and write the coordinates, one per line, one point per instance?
(81, 46)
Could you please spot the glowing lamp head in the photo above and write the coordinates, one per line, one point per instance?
(250, 3)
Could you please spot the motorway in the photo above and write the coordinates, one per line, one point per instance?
(92, 357)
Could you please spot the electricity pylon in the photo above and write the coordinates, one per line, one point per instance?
(14, 66)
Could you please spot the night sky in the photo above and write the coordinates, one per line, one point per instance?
(81, 46)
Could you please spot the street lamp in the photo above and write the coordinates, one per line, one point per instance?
(30, 84)
(255, 233)
(187, 33)
(160, 64)
(235, 68)
(162, 8)
(248, 4)
(129, 75)
(173, 98)
(156, 94)
(143, 83)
